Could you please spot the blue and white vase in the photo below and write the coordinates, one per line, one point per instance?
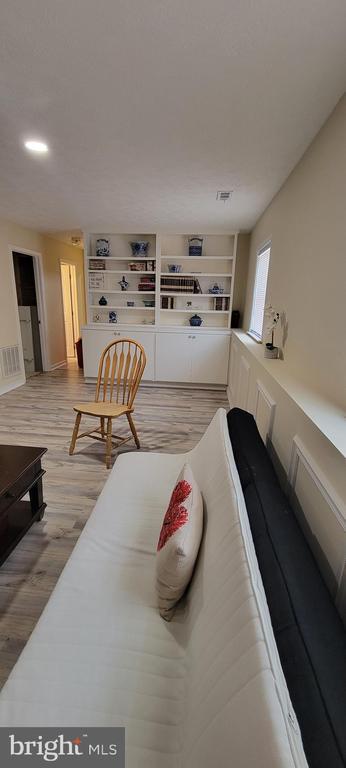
(140, 247)
(102, 247)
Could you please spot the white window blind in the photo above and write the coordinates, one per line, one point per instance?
(260, 289)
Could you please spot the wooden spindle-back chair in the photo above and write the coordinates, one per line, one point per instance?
(120, 371)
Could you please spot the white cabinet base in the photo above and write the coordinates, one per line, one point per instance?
(190, 357)
(96, 339)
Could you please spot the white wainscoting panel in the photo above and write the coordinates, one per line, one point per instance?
(243, 383)
(325, 516)
(233, 373)
(264, 412)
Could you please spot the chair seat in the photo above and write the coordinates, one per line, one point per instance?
(108, 410)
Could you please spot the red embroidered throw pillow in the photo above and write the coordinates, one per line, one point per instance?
(179, 542)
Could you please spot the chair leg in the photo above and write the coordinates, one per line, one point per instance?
(102, 426)
(75, 433)
(133, 429)
(109, 444)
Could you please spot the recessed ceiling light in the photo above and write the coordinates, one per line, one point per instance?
(36, 146)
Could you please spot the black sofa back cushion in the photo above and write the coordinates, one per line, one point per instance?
(308, 630)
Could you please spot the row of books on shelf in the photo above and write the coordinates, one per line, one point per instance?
(180, 285)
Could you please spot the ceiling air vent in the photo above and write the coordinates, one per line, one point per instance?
(10, 362)
(224, 196)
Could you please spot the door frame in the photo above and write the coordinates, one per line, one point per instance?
(69, 263)
(41, 302)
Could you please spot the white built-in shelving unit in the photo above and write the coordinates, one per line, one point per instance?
(175, 350)
(216, 265)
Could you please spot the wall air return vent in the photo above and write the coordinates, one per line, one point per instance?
(10, 363)
(224, 196)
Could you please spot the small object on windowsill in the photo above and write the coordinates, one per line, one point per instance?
(113, 318)
(272, 318)
(103, 301)
(271, 352)
(130, 303)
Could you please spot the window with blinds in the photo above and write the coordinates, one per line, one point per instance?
(259, 295)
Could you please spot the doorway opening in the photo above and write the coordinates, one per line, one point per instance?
(27, 300)
(70, 305)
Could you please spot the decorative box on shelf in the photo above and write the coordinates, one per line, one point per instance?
(138, 266)
(97, 264)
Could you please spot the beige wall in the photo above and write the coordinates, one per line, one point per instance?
(307, 275)
(17, 237)
(13, 236)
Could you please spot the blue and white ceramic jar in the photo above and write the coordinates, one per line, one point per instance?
(195, 246)
(195, 320)
(140, 247)
(102, 247)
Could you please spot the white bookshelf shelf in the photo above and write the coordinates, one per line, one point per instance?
(121, 293)
(109, 306)
(122, 272)
(196, 274)
(181, 294)
(122, 258)
(193, 310)
(199, 258)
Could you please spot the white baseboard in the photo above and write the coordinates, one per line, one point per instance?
(9, 385)
(54, 366)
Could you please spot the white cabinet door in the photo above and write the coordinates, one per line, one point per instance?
(209, 354)
(94, 342)
(173, 357)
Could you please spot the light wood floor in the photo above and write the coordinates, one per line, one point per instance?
(40, 413)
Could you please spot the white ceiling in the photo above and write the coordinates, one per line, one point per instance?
(151, 106)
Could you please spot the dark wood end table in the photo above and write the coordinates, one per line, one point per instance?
(20, 473)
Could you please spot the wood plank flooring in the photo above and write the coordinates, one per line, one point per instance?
(40, 413)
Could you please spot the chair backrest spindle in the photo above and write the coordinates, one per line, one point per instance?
(120, 371)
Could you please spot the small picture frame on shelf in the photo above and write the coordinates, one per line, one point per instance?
(97, 264)
(96, 281)
(151, 265)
